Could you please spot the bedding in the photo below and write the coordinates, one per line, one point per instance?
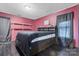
(43, 38)
(33, 42)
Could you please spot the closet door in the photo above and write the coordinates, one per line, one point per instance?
(4, 28)
(64, 27)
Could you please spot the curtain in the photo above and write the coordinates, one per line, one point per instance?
(65, 28)
(4, 28)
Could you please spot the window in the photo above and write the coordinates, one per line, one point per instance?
(65, 28)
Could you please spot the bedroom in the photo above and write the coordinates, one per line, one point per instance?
(31, 29)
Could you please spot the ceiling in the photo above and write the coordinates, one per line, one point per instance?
(33, 10)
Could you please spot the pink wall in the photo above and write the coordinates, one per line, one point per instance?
(52, 19)
(18, 20)
(40, 22)
(23, 21)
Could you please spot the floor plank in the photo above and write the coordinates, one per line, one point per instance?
(8, 49)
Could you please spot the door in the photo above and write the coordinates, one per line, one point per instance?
(4, 28)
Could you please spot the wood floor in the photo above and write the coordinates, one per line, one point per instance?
(8, 49)
(64, 52)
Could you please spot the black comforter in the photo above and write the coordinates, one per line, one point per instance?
(32, 42)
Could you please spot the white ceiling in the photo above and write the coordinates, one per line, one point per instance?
(35, 10)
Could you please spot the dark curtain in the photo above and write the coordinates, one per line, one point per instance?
(65, 29)
(4, 28)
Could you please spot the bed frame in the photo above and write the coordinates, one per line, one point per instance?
(27, 47)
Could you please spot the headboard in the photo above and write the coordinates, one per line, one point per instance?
(46, 29)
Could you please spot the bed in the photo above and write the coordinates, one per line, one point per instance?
(33, 42)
